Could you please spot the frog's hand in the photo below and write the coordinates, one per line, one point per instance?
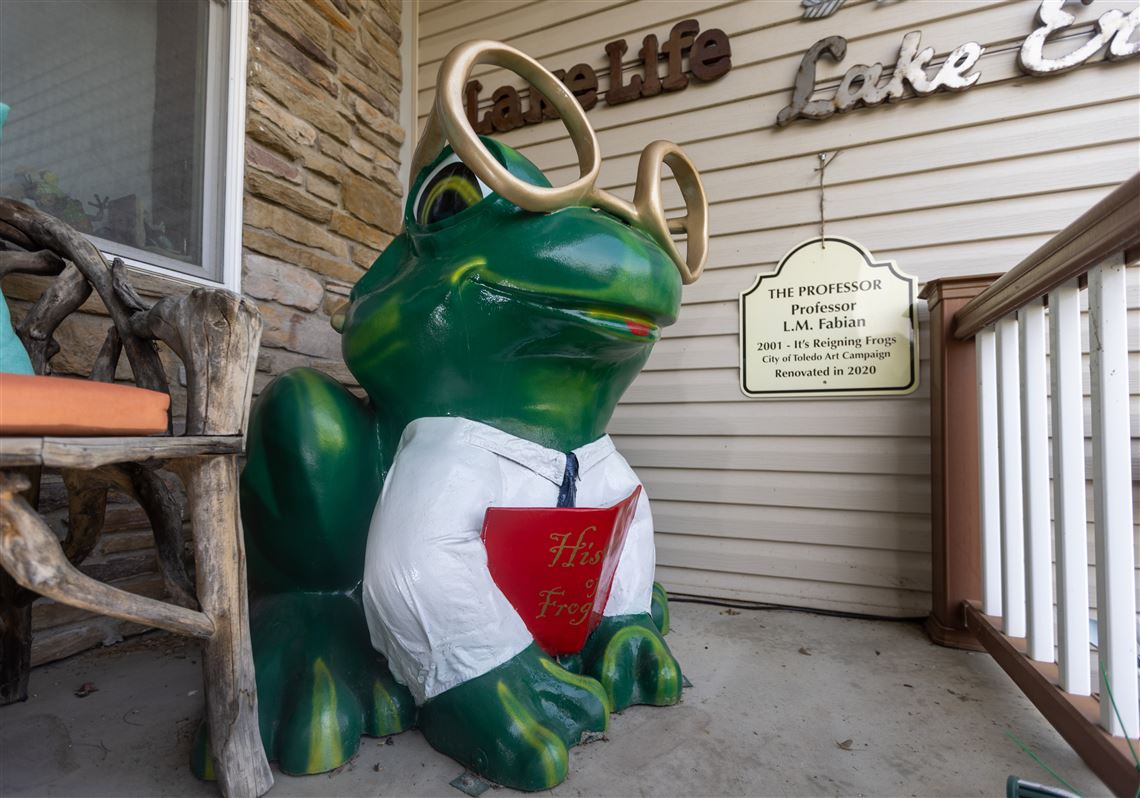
(310, 483)
(515, 723)
(627, 654)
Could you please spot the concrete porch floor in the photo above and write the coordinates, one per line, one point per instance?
(782, 703)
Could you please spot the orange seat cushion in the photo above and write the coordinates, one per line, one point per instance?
(34, 405)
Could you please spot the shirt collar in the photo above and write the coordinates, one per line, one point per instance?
(547, 463)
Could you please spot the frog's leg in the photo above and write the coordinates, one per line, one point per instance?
(515, 723)
(327, 685)
(313, 474)
(629, 656)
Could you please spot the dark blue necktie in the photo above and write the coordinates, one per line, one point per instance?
(569, 490)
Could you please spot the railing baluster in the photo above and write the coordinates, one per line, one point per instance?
(1009, 468)
(989, 490)
(1012, 505)
(1112, 495)
(1035, 477)
(1069, 521)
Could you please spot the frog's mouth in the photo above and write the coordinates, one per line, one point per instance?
(622, 323)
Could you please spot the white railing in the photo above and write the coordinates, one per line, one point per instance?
(1031, 521)
(1033, 490)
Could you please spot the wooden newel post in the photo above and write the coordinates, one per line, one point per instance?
(956, 539)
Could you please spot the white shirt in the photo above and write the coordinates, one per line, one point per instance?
(431, 605)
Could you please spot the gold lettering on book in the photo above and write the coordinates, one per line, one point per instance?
(580, 552)
(553, 608)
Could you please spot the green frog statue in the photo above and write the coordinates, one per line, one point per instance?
(493, 339)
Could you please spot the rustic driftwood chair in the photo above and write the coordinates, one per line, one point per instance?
(215, 335)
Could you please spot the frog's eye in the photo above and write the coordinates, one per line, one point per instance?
(450, 188)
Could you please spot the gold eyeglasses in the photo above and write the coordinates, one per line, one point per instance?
(448, 124)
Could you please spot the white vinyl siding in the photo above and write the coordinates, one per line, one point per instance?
(822, 503)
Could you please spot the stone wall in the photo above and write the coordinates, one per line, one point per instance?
(322, 199)
(322, 157)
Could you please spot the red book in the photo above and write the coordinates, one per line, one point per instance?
(556, 565)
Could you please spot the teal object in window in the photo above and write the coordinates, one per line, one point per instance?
(13, 356)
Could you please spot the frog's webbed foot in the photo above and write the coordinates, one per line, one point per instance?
(320, 683)
(628, 655)
(515, 723)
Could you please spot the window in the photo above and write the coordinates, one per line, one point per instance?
(118, 124)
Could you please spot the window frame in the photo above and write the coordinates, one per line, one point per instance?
(227, 50)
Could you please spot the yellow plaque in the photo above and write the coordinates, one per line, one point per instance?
(830, 321)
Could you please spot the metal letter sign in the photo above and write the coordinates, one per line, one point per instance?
(862, 86)
(830, 321)
(1114, 28)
